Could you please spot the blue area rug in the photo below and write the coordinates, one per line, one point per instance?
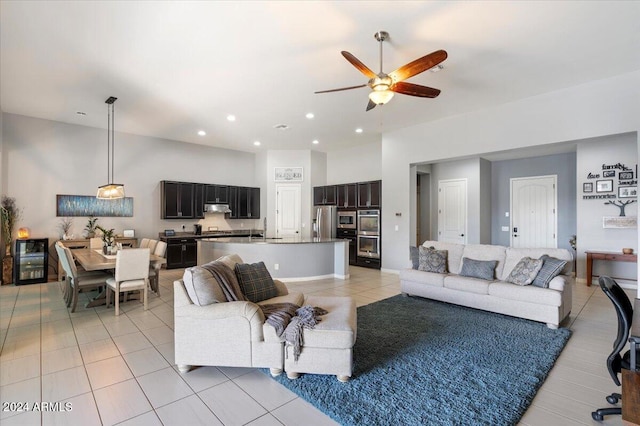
(421, 362)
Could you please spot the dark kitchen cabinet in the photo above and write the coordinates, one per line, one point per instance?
(244, 202)
(347, 196)
(217, 194)
(182, 253)
(177, 200)
(369, 194)
(198, 204)
(324, 195)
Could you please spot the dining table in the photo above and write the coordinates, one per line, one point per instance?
(94, 260)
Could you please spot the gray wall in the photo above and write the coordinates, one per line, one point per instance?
(562, 165)
(44, 158)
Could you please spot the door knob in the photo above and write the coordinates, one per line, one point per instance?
(462, 235)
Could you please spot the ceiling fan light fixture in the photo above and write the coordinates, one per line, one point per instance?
(380, 97)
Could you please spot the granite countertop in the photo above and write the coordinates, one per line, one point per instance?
(260, 240)
(213, 234)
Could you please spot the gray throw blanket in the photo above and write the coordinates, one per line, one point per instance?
(289, 320)
(227, 280)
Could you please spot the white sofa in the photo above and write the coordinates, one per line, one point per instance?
(549, 305)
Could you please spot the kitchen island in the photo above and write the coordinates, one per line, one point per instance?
(287, 259)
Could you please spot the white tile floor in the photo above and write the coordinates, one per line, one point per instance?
(119, 370)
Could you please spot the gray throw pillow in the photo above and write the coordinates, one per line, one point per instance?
(483, 269)
(525, 271)
(414, 256)
(255, 281)
(551, 268)
(203, 289)
(432, 260)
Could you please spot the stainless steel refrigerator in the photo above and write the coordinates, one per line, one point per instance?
(325, 221)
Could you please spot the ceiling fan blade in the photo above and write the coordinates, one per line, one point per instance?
(415, 90)
(356, 63)
(342, 88)
(371, 105)
(419, 65)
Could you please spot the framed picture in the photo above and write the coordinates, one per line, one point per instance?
(288, 174)
(625, 175)
(587, 187)
(604, 185)
(609, 173)
(627, 191)
(619, 222)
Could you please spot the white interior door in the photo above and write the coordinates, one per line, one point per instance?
(452, 211)
(533, 212)
(288, 210)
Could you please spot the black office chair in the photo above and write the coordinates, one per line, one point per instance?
(615, 361)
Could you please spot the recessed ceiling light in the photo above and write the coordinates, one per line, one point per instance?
(231, 117)
(81, 113)
(257, 143)
(358, 130)
(202, 133)
(315, 142)
(309, 115)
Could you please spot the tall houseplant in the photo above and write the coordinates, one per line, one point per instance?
(9, 216)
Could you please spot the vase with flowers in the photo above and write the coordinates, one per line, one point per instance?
(108, 239)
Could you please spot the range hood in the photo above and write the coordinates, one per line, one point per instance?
(217, 208)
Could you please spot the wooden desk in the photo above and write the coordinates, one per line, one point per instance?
(606, 255)
(631, 378)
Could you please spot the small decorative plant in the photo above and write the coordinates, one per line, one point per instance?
(91, 227)
(65, 227)
(108, 236)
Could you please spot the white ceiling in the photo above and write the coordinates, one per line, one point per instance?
(178, 67)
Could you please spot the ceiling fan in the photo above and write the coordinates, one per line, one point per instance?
(384, 85)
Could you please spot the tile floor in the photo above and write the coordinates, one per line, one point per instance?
(119, 370)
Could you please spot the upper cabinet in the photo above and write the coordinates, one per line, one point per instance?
(347, 196)
(177, 200)
(198, 203)
(324, 195)
(216, 194)
(369, 194)
(248, 203)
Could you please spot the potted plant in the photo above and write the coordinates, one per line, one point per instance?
(108, 239)
(91, 226)
(9, 216)
(65, 227)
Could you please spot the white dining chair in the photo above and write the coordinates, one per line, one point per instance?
(95, 243)
(77, 281)
(132, 273)
(154, 270)
(152, 245)
(144, 243)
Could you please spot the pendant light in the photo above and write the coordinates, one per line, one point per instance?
(110, 191)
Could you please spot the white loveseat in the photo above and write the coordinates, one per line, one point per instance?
(549, 305)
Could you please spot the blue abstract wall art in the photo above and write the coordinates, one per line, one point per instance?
(89, 205)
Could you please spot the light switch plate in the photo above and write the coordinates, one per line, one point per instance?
(505, 228)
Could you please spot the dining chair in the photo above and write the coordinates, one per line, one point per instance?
(95, 243)
(132, 273)
(152, 245)
(77, 281)
(144, 243)
(154, 270)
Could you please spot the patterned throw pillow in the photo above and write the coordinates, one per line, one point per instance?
(483, 269)
(414, 256)
(255, 281)
(432, 260)
(525, 271)
(550, 269)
